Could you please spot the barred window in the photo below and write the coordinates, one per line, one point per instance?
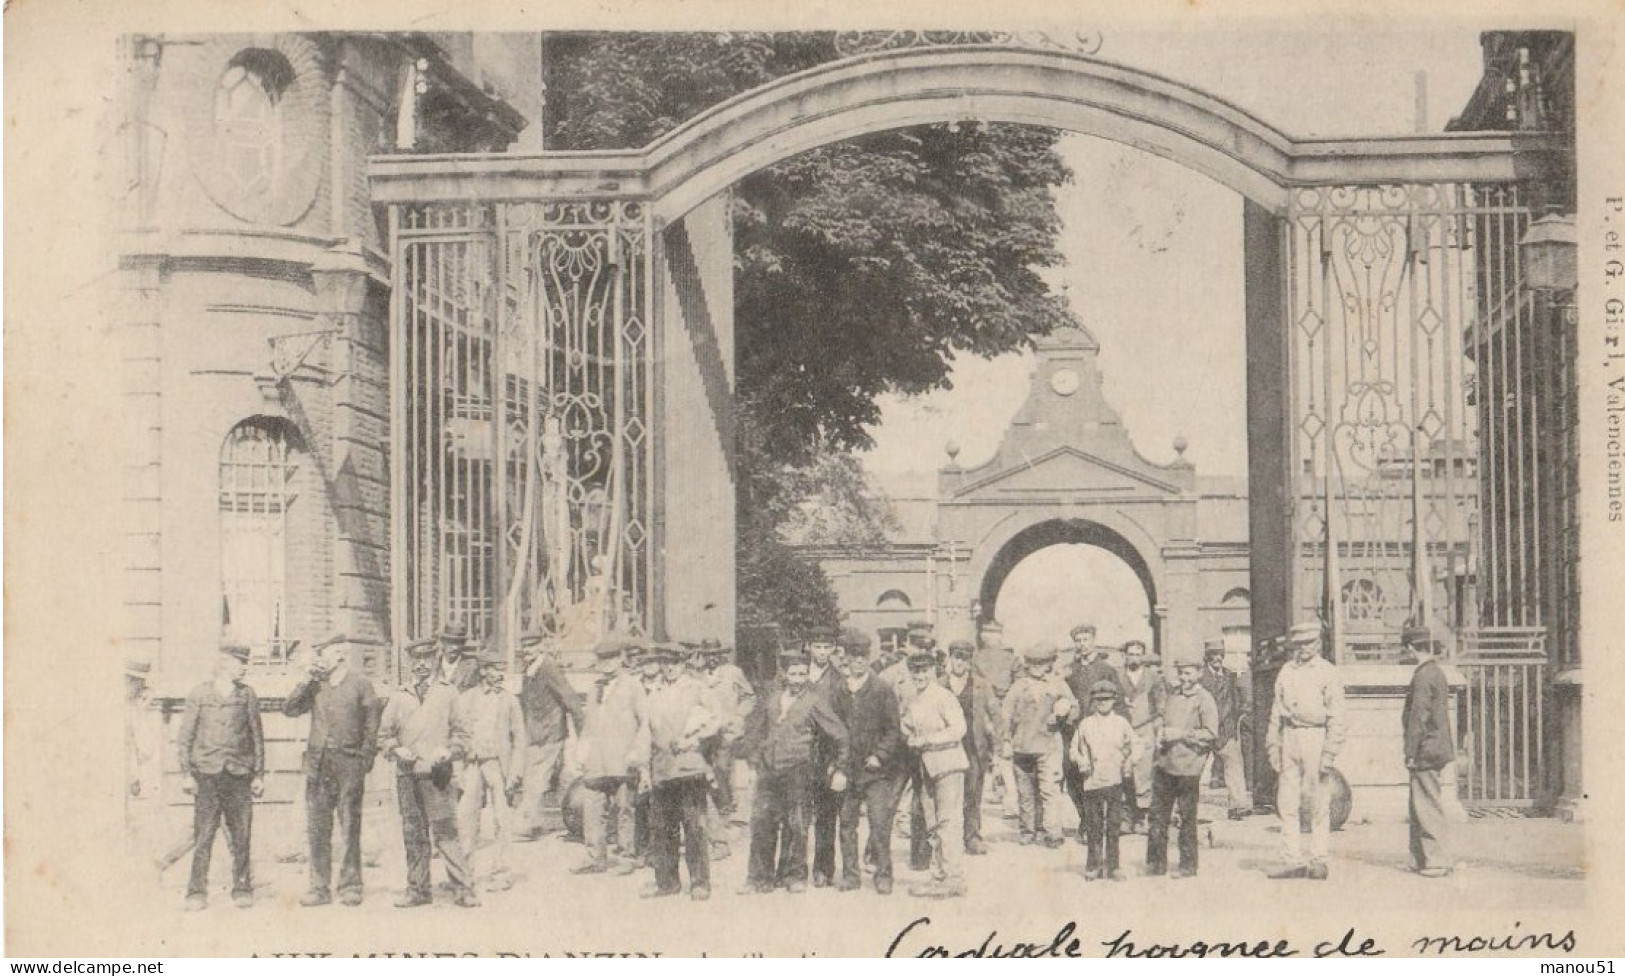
(248, 118)
(1362, 600)
(258, 464)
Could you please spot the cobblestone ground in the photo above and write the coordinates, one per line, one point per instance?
(1512, 866)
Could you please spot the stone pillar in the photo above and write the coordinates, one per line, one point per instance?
(357, 459)
(694, 376)
(1269, 456)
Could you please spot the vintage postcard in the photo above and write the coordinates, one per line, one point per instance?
(888, 480)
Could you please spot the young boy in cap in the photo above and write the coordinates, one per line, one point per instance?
(1035, 708)
(488, 729)
(222, 749)
(1104, 749)
(933, 724)
(1189, 726)
(416, 734)
(344, 712)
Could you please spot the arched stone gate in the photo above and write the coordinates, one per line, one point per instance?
(562, 345)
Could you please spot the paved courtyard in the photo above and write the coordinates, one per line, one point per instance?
(1512, 868)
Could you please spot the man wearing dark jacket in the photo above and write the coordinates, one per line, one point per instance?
(1226, 688)
(875, 770)
(981, 735)
(824, 675)
(344, 714)
(222, 749)
(547, 700)
(1428, 750)
(796, 722)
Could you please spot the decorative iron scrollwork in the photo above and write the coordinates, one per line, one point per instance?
(854, 43)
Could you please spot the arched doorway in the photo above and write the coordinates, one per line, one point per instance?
(1052, 538)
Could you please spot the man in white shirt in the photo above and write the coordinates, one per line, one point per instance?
(934, 726)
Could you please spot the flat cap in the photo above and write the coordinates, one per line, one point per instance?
(921, 660)
(1102, 690)
(792, 655)
(961, 648)
(329, 641)
(855, 640)
(422, 647)
(1304, 633)
(1081, 629)
(1043, 652)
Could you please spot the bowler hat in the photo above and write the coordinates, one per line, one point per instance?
(1211, 647)
(236, 649)
(454, 630)
(1415, 635)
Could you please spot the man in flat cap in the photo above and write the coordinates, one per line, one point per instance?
(551, 708)
(1231, 695)
(875, 768)
(344, 714)
(1189, 727)
(679, 722)
(1428, 749)
(824, 676)
(457, 666)
(934, 727)
(982, 730)
(795, 721)
(1144, 696)
(609, 743)
(1306, 730)
(415, 734)
(1036, 708)
(222, 750)
(488, 732)
(738, 696)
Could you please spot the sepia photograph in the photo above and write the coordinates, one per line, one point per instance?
(1094, 485)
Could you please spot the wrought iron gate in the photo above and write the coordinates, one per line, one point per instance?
(1406, 396)
(1501, 716)
(520, 386)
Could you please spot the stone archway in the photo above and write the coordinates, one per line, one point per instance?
(1327, 225)
(1066, 531)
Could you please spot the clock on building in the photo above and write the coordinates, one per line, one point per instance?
(1064, 382)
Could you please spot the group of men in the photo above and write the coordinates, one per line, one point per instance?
(459, 739)
(838, 737)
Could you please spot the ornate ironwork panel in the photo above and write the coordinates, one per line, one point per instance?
(853, 43)
(522, 410)
(1386, 289)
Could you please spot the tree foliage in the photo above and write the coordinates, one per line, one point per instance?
(861, 267)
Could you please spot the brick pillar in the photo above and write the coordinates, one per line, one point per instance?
(358, 465)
